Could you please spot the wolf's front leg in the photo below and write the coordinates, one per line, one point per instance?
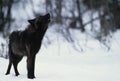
(31, 66)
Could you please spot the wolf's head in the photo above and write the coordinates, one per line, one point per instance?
(40, 23)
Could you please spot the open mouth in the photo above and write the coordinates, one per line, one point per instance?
(48, 17)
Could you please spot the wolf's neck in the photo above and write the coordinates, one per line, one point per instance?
(35, 34)
(41, 34)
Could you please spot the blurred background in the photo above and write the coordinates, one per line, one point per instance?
(78, 24)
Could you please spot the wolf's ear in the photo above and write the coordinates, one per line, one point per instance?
(31, 21)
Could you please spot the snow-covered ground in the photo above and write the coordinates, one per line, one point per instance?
(62, 63)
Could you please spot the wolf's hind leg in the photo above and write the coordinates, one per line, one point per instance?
(10, 62)
(9, 67)
(16, 60)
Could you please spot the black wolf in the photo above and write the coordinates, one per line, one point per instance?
(27, 43)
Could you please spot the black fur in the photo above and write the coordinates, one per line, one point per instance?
(27, 43)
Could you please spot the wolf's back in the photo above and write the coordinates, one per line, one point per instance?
(14, 36)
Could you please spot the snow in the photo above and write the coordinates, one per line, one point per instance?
(66, 64)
